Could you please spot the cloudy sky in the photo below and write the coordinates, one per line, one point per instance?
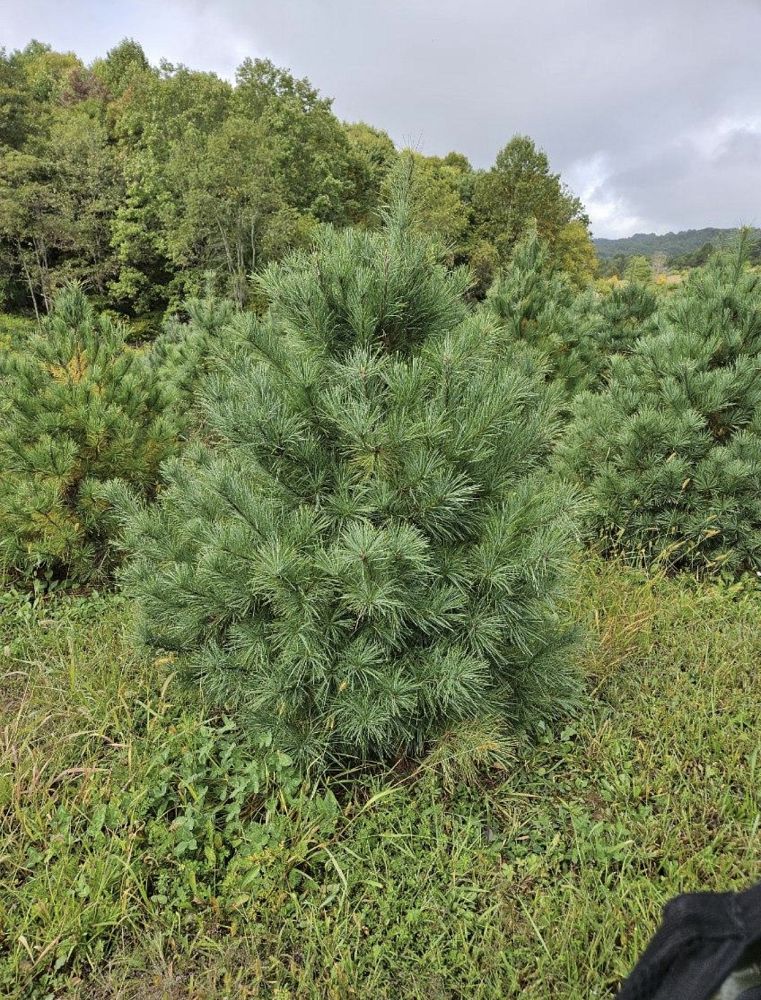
(651, 109)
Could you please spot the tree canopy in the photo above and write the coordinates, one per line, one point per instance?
(139, 181)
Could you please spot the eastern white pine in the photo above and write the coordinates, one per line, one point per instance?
(533, 299)
(181, 355)
(577, 332)
(670, 450)
(368, 550)
(80, 407)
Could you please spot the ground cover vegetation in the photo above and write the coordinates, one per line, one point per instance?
(149, 851)
(380, 591)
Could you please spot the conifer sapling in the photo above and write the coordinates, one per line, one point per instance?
(367, 551)
(80, 408)
(576, 332)
(670, 450)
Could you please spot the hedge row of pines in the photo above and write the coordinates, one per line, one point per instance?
(353, 518)
(670, 448)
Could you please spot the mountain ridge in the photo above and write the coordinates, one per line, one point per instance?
(672, 244)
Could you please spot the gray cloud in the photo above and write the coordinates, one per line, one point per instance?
(652, 111)
(707, 180)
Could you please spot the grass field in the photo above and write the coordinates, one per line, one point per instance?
(145, 854)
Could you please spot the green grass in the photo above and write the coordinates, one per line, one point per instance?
(145, 854)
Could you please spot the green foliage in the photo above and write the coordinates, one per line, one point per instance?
(59, 181)
(601, 327)
(14, 103)
(578, 333)
(79, 408)
(370, 553)
(671, 449)
(518, 191)
(373, 156)
(314, 154)
(576, 253)
(123, 66)
(405, 885)
(140, 180)
(233, 214)
(437, 200)
(531, 297)
(224, 179)
(639, 270)
(158, 119)
(628, 312)
(14, 331)
(185, 351)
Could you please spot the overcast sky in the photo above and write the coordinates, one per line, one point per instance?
(650, 109)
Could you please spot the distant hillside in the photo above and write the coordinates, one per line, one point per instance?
(672, 244)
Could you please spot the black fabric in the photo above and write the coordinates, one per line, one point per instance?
(703, 938)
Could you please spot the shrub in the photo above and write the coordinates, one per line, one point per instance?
(369, 553)
(671, 449)
(13, 331)
(79, 408)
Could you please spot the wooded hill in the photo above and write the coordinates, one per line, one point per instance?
(672, 244)
(149, 184)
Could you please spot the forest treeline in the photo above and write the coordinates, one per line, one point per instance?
(692, 245)
(645, 255)
(151, 184)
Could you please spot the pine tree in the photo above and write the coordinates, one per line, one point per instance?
(639, 270)
(671, 449)
(601, 327)
(79, 408)
(531, 297)
(183, 353)
(539, 307)
(369, 550)
(628, 312)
